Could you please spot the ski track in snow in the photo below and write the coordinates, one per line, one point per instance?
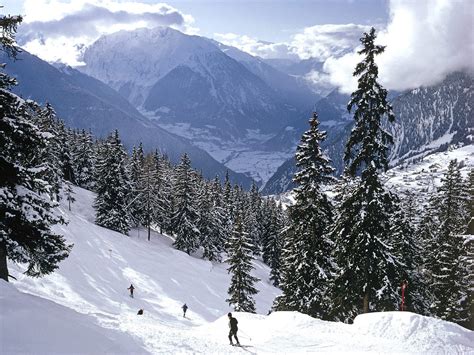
(84, 307)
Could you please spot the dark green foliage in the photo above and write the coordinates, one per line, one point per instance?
(368, 143)
(112, 186)
(185, 216)
(448, 262)
(307, 263)
(241, 288)
(26, 209)
(367, 277)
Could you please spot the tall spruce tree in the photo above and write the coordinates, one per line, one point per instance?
(185, 216)
(26, 209)
(450, 283)
(242, 287)
(112, 186)
(311, 266)
(139, 183)
(83, 158)
(367, 278)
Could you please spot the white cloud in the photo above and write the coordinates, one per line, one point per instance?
(256, 47)
(57, 30)
(324, 41)
(320, 42)
(426, 40)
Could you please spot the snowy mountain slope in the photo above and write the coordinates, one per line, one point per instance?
(426, 120)
(49, 328)
(429, 117)
(419, 178)
(292, 90)
(84, 102)
(423, 176)
(184, 78)
(212, 94)
(87, 298)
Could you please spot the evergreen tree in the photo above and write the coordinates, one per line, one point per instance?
(49, 124)
(26, 209)
(367, 278)
(112, 186)
(450, 284)
(161, 185)
(84, 160)
(409, 252)
(210, 223)
(272, 241)
(469, 246)
(311, 217)
(185, 216)
(65, 152)
(241, 288)
(139, 183)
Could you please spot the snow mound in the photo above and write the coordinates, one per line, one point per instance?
(381, 333)
(31, 324)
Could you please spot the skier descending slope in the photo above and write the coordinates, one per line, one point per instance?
(185, 308)
(131, 288)
(233, 329)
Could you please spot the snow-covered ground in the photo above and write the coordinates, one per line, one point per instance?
(84, 307)
(423, 176)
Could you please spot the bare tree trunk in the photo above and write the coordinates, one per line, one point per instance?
(366, 302)
(3, 262)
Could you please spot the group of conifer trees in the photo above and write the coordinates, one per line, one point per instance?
(352, 253)
(333, 257)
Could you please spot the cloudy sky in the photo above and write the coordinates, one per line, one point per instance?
(426, 39)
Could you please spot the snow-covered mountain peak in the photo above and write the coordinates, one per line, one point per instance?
(138, 59)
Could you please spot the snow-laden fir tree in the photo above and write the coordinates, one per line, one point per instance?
(305, 284)
(138, 182)
(83, 158)
(161, 180)
(242, 283)
(48, 123)
(26, 209)
(253, 218)
(449, 271)
(185, 216)
(409, 252)
(367, 277)
(112, 185)
(211, 221)
(273, 222)
(65, 153)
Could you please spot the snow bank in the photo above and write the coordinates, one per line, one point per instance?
(380, 333)
(31, 324)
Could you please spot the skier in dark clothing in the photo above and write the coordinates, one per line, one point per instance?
(131, 288)
(185, 308)
(140, 312)
(233, 329)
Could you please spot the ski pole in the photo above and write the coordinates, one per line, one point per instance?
(246, 335)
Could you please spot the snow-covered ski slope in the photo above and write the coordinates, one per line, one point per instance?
(84, 307)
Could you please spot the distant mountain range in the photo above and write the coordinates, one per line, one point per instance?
(178, 78)
(428, 119)
(84, 102)
(227, 108)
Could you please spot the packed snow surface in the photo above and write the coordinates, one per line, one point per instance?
(85, 308)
